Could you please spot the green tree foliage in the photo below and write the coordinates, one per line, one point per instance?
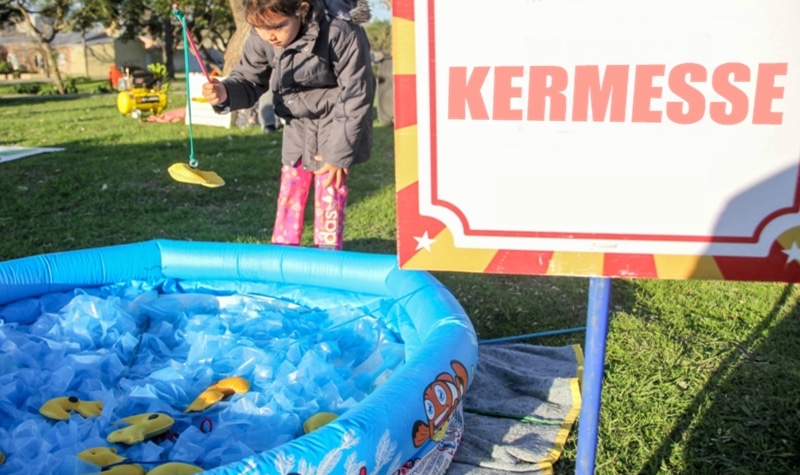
(210, 22)
(8, 14)
(93, 12)
(379, 33)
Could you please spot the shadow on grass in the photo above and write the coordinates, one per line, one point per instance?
(30, 99)
(744, 414)
(373, 245)
(748, 413)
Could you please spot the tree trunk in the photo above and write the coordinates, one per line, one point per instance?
(51, 56)
(169, 45)
(233, 52)
(85, 53)
(46, 65)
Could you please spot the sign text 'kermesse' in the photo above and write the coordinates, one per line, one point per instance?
(741, 93)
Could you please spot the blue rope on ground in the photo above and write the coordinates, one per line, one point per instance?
(531, 335)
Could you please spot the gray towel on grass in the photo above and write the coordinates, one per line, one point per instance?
(520, 409)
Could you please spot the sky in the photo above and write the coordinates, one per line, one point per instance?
(379, 12)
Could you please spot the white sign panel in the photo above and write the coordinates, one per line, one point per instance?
(665, 127)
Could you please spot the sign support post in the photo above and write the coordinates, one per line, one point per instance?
(592, 384)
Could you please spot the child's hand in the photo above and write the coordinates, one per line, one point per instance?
(215, 92)
(335, 174)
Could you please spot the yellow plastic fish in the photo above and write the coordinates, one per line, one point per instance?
(175, 468)
(105, 456)
(219, 391)
(142, 427)
(2, 457)
(318, 420)
(185, 174)
(59, 408)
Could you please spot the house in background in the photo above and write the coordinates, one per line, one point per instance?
(79, 55)
(91, 54)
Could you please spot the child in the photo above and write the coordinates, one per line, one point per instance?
(316, 61)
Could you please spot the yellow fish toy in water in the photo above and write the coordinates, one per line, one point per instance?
(142, 427)
(59, 408)
(175, 468)
(219, 391)
(109, 462)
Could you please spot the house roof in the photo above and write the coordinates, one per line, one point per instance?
(94, 36)
(13, 38)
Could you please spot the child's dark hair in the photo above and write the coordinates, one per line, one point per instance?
(255, 11)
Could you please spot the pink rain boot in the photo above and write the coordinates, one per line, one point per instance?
(292, 197)
(329, 205)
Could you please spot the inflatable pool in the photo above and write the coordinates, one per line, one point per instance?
(395, 405)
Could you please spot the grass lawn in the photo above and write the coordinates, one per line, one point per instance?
(702, 377)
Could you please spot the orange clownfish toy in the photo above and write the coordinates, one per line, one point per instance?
(441, 398)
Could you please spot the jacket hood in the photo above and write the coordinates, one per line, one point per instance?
(356, 11)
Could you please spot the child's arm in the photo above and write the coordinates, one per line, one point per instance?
(215, 92)
(249, 78)
(352, 114)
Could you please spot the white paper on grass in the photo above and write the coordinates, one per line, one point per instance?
(14, 152)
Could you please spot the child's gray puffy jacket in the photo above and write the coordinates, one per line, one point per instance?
(323, 88)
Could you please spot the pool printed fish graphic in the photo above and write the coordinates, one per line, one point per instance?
(440, 398)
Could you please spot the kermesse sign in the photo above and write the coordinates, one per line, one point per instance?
(611, 138)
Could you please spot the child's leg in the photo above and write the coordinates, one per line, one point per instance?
(329, 205)
(295, 184)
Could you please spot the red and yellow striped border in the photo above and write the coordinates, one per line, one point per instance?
(426, 243)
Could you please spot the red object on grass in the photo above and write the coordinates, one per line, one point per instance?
(114, 75)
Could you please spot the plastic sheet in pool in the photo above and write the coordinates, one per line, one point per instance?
(153, 347)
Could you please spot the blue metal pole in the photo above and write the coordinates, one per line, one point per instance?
(594, 359)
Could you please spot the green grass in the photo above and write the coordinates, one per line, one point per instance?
(701, 377)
